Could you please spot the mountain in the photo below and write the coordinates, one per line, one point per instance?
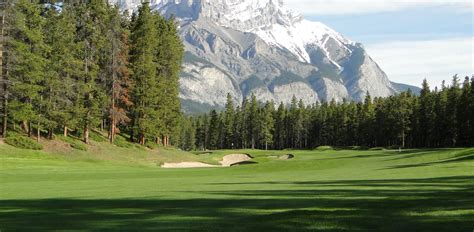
(260, 47)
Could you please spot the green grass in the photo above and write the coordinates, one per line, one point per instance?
(415, 190)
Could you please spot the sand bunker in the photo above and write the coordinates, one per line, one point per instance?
(188, 165)
(286, 157)
(227, 161)
(234, 159)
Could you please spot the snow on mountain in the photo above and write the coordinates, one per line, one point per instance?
(260, 47)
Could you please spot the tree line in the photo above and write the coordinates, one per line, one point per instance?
(77, 66)
(436, 118)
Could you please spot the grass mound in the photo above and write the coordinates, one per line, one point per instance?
(324, 148)
(23, 142)
(376, 149)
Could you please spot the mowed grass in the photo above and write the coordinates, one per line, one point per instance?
(416, 190)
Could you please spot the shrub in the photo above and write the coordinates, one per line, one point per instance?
(152, 145)
(23, 142)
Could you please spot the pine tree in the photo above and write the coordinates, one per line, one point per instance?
(280, 127)
(5, 11)
(252, 121)
(27, 62)
(119, 81)
(453, 94)
(367, 122)
(188, 134)
(239, 128)
(64, 69)
(169, 55)
(214, 130)
(403, 112)
(267, 124)
(464, 121)
(92, 20)
(426, 115)
(229, 122)
(440, 103)
(145, 91)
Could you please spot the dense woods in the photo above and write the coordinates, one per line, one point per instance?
(437, 118)
(78, 66)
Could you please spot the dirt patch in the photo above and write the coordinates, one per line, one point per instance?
(234, 159)
(188, 165)
(2, 142)
(55, 146)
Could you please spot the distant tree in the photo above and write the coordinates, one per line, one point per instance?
(253, 121)
(267, 124)
(214, 130)
(228, 124)
(426, 115)
(464, 120)
(280, 127)
(453, 94)
(440, 102)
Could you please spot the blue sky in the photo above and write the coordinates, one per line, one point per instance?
(411, 40)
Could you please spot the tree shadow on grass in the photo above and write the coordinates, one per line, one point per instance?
(373, 205)
(456, 159)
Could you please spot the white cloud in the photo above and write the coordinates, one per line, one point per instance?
(436, 60)
(339, 7)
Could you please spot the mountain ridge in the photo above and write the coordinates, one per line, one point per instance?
(260, 47)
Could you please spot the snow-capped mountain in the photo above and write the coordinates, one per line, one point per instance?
(260, 47)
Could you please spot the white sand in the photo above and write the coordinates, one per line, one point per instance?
(188, 165)
(227, 161)
(233, 159)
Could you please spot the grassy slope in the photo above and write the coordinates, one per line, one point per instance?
(424, 190)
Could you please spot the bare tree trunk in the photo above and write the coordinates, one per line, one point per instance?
(65, 131)
(86, 133)
(112, 131)
(403, 138)
(38, 132)
(50, 133)
(30, 132)
(4, 73)
(5, 117)
(142, 139)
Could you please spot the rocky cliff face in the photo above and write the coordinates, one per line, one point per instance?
(260, 47)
